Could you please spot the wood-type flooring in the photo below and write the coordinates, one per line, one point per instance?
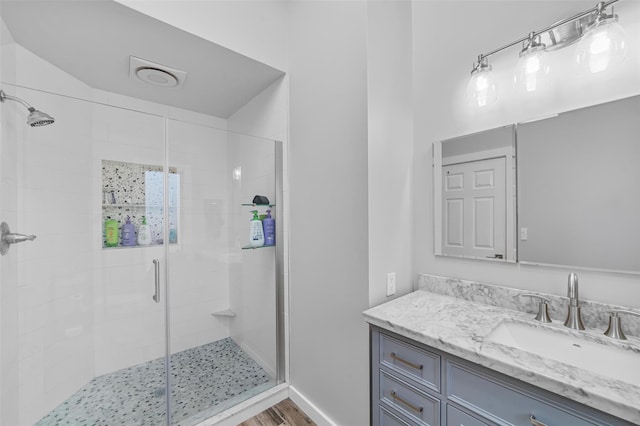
(285, 413)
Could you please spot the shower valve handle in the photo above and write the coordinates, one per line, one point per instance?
(13, 238)
(7, 238)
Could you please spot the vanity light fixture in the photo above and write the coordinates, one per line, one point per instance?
(602, 44)
(482, 89)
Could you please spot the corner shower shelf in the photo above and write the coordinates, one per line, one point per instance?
(259, 247)
(225, 313)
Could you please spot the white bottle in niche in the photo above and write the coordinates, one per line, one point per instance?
(144, 233)
(256, 233)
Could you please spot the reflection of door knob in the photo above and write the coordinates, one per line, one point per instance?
(9, 238)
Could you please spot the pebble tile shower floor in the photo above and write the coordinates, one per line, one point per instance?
(207, 379)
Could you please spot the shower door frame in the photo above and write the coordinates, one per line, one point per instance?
(280, 285)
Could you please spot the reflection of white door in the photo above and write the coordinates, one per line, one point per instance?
(474, 209)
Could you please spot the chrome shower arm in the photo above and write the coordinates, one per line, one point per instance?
(4, 96)
(36, 118)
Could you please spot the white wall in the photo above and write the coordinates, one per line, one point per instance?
(254, 28)
(329, 232)
(441, 72)
(266, 115)
(390, 156)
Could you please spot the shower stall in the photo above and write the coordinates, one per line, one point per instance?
(173, 329)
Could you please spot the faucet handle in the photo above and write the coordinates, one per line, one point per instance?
(543, 307)
(615, 325)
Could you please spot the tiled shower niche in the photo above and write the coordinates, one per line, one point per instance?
(137, 190)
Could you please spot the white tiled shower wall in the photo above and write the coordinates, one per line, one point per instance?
(70, 310)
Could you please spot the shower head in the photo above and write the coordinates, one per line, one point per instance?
(39, 118)
(36, 118)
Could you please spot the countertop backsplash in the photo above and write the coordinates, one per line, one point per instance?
(594, 314)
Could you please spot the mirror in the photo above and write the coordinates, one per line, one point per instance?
(474, 195)
(578, 195)
(578, 203)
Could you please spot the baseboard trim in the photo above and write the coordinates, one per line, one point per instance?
(249, 408)
(310, 409)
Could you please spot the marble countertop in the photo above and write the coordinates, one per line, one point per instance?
(459, 327)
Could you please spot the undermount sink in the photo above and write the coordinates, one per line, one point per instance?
(613, 359)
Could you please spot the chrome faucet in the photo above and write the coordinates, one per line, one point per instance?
(574, 319)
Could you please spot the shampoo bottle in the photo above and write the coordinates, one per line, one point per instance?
(128, 233)
(256, 233)
(144, 233)
(111, 232)
(269, 225)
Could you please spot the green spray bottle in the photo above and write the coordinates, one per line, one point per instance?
(256, 233)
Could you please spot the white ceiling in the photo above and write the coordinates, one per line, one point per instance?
(93, 39)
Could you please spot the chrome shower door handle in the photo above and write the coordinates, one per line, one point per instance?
(156, 265)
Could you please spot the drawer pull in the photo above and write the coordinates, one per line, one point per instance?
(408, 404)
(535, 422)
(404, 361)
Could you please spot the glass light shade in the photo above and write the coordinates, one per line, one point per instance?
(482, 90)
(532, 70)
(603, 45)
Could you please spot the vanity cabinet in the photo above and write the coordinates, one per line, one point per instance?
(415, 385)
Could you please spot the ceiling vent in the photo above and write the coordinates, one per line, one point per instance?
(155, 74)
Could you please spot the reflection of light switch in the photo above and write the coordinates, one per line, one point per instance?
(523, 234)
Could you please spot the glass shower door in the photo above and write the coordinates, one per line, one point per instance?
(222, 293)
(130, 293)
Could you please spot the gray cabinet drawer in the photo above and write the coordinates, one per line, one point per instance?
(409, 401)
(456, 417)
(502, 403)
(387, 418)
(417, 364)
